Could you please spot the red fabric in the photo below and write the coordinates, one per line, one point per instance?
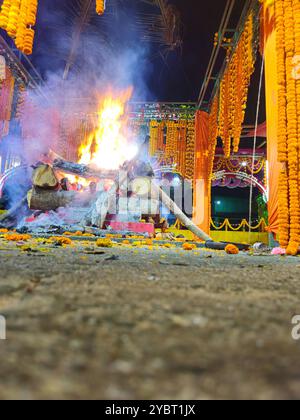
(261, 131)
(6, 99)
(133, 227)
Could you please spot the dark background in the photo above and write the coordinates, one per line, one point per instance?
(169, 75)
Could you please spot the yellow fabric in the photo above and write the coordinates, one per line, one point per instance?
(240, 237)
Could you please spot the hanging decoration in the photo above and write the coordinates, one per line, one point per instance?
(156, 144)
(100, 6)
(288, 37)
(240, 164)
(18, 17)
(190, 150)
(172, 143)
(21, 100)
(235, 83)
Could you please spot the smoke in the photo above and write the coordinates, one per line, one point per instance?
(108, 53)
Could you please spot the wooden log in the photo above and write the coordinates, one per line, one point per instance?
(49, 200)
(44, 200)
(83, 171)
(44, 177)
(188, 223)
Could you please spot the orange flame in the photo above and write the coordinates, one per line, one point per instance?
(109, 146)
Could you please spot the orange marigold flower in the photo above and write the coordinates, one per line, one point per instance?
(189, 247)
(232, 249)
(14, 237)
(60, 240)
(104, 243)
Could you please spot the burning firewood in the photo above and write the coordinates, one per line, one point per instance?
(44, 177)
(83, 171)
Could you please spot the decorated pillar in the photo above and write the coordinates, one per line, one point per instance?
(282, 58)
(271, 77)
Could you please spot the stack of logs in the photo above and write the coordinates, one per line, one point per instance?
(47, 194)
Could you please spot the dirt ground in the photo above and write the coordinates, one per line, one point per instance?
(147, 324)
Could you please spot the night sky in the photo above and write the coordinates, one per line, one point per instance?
(169, 76)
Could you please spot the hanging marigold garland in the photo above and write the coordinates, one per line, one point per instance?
(292, 130)
(100, 6)
(18, 17)
(224, 127)
(156, 143)
(283, 191)
(173, 144)
(296, 76)
(171, 140)
(287, 21)
(235, 84)
(190, 150)
(22, 93)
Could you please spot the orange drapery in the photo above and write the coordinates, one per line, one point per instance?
(6, 99)
(202, 187)
(274, 166)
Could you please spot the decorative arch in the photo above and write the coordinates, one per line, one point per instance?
(248, 179)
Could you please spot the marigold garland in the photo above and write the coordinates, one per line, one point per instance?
(280, 49)
(18, 17)
(175, 149)
(235, 84)
(156, 144)
(287, 20)
(242, 164)
(224, 128)
(190, 150)
(4, 14)
(283, 210)
(173, 144)
(100, 6)
(21, 101)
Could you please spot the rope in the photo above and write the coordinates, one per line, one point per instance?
(255, 141)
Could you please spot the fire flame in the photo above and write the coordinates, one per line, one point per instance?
(109, 146)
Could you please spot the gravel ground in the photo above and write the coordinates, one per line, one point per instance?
(147, 324)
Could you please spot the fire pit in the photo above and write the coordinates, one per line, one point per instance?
(110, 187)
